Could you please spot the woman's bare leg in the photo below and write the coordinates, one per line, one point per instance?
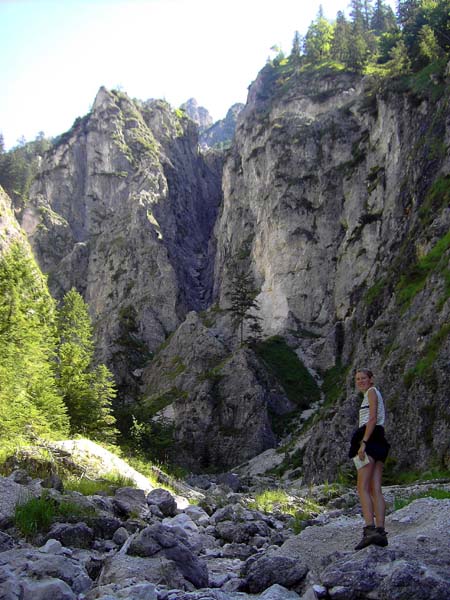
(378, 503)
(364, 485)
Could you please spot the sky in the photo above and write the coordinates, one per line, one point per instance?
(55, 54)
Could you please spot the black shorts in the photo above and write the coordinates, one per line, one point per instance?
(377, 445)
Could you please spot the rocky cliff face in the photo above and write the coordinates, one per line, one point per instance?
(336, 198)
(216, 396)
(10, 230)
(221, 133)
(123, 209)
(198, 114)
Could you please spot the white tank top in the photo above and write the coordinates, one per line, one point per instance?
(364, 411)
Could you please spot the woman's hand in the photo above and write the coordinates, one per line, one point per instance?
(362, 451)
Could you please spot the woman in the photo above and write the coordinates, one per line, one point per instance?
(369, 439)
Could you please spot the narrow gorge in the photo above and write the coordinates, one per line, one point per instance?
(333, 199)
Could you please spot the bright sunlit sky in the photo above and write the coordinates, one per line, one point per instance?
(55, 54)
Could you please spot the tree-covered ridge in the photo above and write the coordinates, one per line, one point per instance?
(49, 383)
(19, 166)
(373, 36)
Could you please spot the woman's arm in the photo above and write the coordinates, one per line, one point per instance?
(370, 425)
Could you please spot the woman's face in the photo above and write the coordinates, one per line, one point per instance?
(363, 381)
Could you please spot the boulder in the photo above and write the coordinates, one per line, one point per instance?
(46, 589)
(123, 569)
(268, 570)
(120, 536)
(163, 500)
(159, 540)
(197, 514)
(138, 591)
(6, 542)
(105, 526)
(278, 592)
(12, 493)
(60, 576)
(129, 501)
(77, 535)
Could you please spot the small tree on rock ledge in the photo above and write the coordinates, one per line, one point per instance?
(243, 302)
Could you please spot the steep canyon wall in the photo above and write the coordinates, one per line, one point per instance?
(335, 199)
(123, 209)
(337, 189)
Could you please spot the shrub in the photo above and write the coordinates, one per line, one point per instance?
(415, 279)
(107, 483)
(270, 500)
(296, 380)
(34, 515)
(432, 493)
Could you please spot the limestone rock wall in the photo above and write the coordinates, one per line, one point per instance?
(123, 209)
(217, 397)
(331, 201)
(10, 230)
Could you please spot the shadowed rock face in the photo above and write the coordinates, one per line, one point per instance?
(124, 209)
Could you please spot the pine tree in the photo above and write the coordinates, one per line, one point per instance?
(358, 15)
(318, 39)
(383, 18)
(103, 390)
(340, 46)
(243, 300)
(29, 398)
(295, 56)
(400, 62)
(87, 390)
(429, 49)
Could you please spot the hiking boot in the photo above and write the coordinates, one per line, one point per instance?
(368, 534)
(380, 537)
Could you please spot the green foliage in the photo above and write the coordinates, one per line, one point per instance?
(87, 389)
(300, 509)
(269, 501)
(374, 292)
(424, 366)
(36, 515)
(373, 40)
(318, 39)
(414, 280)
(108, 483)
(19, 166)
(152, 439)
(429, 81)
(438, 494)
(403, 477)
(437, 198)
(243, 301)
(29, 400)
(294, 377)
(333, 385)
(133, 348)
